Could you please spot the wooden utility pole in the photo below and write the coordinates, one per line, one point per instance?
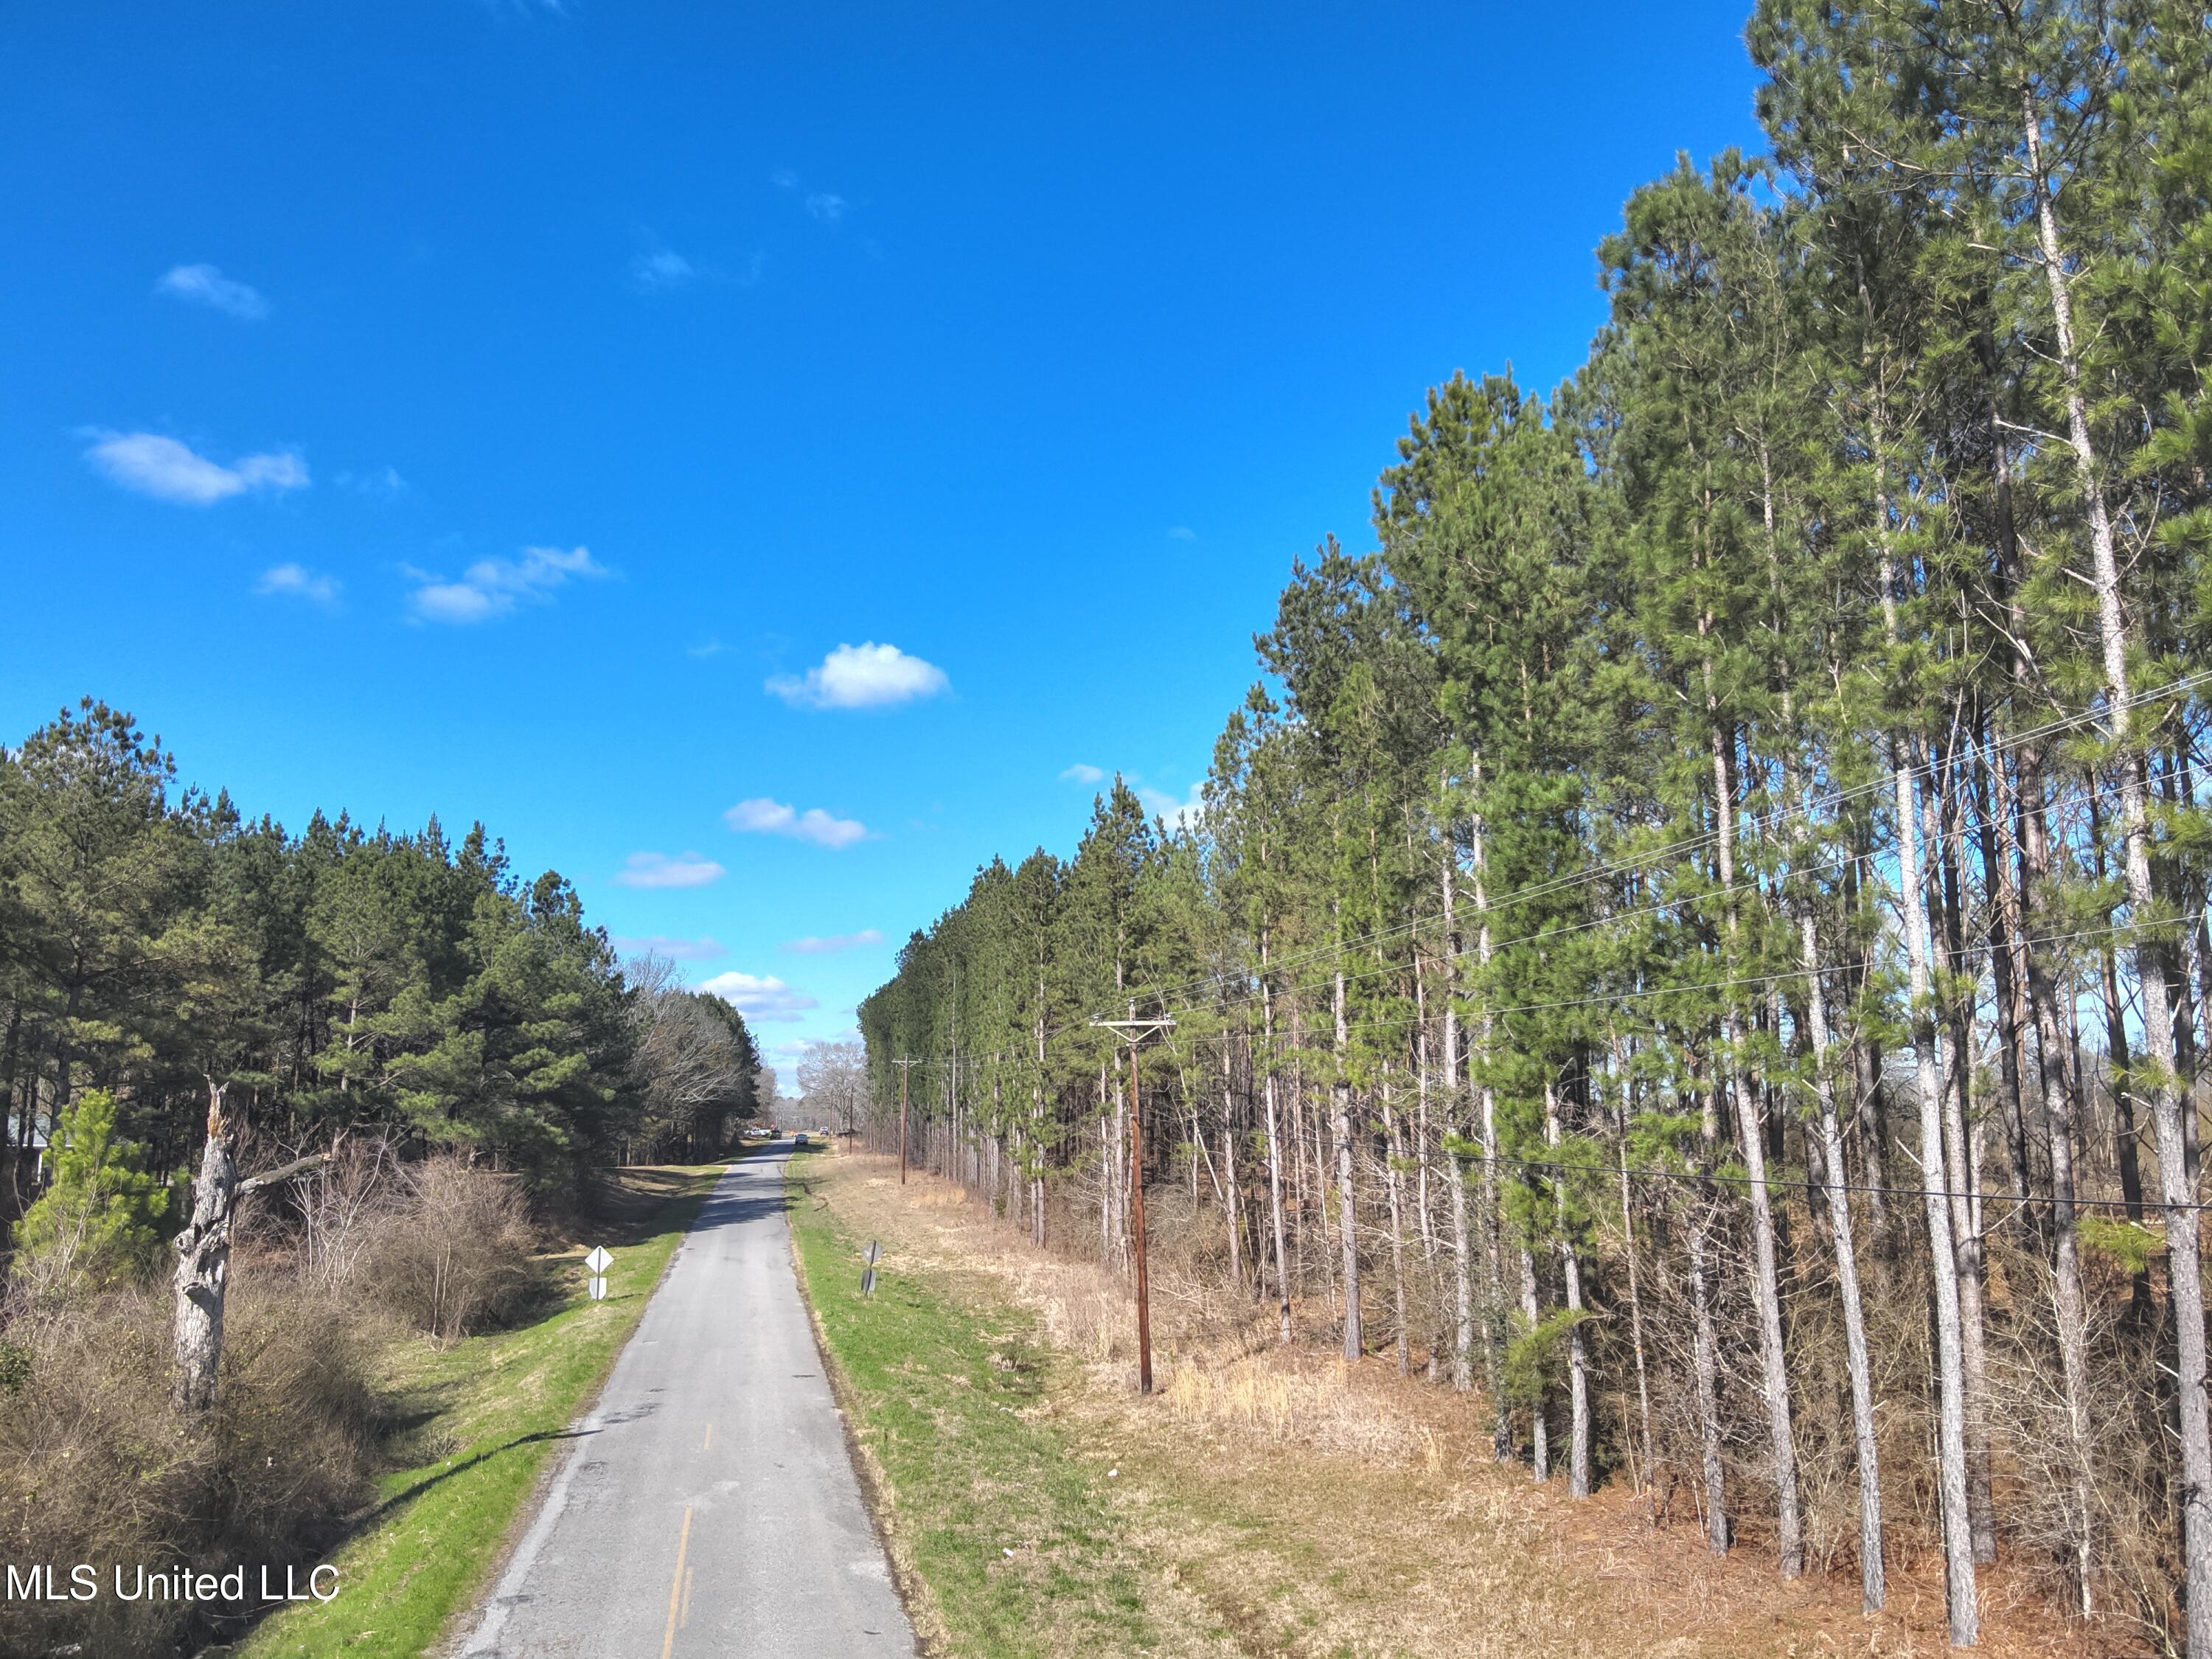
(904, 1066)
(1134, 1032)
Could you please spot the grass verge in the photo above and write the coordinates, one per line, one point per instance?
(1266, 1501)
(481, 1419)
(1016, 1548)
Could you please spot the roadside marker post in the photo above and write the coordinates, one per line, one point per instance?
(597, 1262)
(868, 1275)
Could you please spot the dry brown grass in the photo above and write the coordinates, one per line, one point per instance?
(1301, 1506)
(96, 1467)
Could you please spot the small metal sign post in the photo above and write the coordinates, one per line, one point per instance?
(868, 1276)
(599, 1261)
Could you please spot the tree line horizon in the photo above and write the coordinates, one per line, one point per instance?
(1701, 934)
(343, 981)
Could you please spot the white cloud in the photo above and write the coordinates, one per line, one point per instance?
(676, 950)
(784, 179)
(1181, 814)
(813, 946)
(492, 587)
(868, 676)
(765, 817)
(1082, 772)
(658, 870)
(297, 581)
(170, 471)
(205, 285)
(1181, 532)
(759, 997)
(661, 269)
(827, 207)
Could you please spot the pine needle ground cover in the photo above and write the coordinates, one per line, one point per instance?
(484, 1420)
(1261, 1502)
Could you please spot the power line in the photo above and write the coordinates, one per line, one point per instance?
(1752, 827)
(1334, 950)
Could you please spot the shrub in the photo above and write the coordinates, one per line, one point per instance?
(95, 1466)
(100, 1222)
(453, 1254)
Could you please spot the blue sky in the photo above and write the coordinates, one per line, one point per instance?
(756, 457)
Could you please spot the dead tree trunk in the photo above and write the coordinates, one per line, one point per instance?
(203, 1275)
(202, 1279)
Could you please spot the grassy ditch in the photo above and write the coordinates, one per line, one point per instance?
(1014, 1547)
(482, 1420)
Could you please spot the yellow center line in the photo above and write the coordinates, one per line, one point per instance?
(709, 1439)
(675, 1589)
(689, 1573)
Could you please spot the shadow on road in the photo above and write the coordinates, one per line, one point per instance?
(370, 1517)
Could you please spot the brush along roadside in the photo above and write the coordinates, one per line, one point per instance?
(487, 1414)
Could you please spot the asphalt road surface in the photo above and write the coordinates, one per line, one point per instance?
(709, 1506)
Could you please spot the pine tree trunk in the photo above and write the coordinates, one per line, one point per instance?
(1274, 1155)
(1393, 1186)
(1635, 1298)
(2176, 1168)
(1571, 1281)
(1965, 1613)
(1789, 1528)
(1705, 1362)
(1540, 1436)
(1872, 1589)
(1455, 1168)
(1340, 1126)
(1492, 1221)
(1946, 929)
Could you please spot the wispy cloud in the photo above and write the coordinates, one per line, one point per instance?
(869, 675)
(298, 582)
(493, 587)
(1181, 532)
(205, 285)
(676, 950)
(1083, 772)
(826, 206)
(813, 946)
(171, 471)
(711, 649)
(655, 870)
(374, 481)
(660, 269)
(1183, 813)
(764, 817)
(759, 997)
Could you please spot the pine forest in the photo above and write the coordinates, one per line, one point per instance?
(1698, 940)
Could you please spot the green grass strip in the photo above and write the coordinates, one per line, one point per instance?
(990, 1507)
(492, 1406)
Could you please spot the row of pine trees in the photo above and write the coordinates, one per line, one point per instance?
(340, 980)
(1701, 935)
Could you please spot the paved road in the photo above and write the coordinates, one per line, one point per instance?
(708, 1506)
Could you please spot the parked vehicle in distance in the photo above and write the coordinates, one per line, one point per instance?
(800, 1139)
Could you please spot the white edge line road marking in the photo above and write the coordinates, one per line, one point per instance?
(485, 1640)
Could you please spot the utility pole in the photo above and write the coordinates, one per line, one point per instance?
(903, 1065)
(1134, 1032)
